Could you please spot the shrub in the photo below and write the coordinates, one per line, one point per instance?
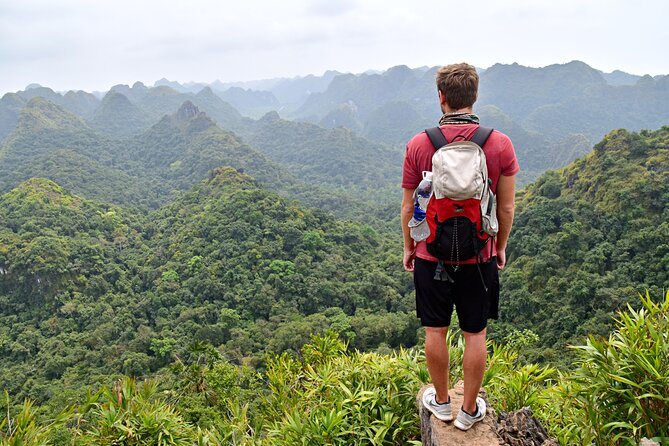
(619, 391)
(349, 398)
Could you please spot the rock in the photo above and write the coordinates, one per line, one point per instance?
(647, 442)
(522, 429)
(435, 432)
(509, 429)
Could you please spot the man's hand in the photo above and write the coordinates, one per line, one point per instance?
(409, 256)
(501, 258)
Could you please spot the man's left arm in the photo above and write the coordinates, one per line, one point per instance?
(506, 195)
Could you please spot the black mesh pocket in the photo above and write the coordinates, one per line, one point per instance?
(455, 240)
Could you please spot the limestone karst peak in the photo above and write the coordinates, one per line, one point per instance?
(187, 111)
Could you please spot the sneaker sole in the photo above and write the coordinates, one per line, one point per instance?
(462, 427)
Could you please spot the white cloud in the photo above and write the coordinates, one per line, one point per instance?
(95, 44)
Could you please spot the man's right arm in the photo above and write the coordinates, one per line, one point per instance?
(506, 195)
(405, 216)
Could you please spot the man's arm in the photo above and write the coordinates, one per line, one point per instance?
(405, 216)
(506, 195)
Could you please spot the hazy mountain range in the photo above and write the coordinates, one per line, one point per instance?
(553, 114)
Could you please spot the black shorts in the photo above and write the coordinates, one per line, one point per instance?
(473, 304)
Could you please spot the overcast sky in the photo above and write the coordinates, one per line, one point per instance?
(95, 44)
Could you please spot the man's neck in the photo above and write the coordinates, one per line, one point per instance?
(460, 110)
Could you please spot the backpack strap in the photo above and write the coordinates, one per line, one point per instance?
(481, 135)
(437, 138)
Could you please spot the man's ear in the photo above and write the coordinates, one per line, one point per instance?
(442, 100)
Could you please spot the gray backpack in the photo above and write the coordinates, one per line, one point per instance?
(461, 213)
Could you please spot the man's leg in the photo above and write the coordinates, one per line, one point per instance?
(436, 356)
(473, 365)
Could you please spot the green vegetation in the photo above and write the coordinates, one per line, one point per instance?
(91, 291)
(587, 238)
(207, 306)
(327, 394)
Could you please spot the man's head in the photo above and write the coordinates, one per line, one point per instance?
(458, 85)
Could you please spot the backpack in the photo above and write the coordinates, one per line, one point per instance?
(461, 213)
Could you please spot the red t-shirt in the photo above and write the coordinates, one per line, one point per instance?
(500, 159)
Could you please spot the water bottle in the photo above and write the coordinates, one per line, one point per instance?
(417, 225)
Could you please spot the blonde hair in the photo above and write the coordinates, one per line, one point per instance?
(459, 83)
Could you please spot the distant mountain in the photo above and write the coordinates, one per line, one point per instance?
(161, 101)
(333, 157)
(80, 102)
(367, 92)
(77, 102)
(150, 104)
(51, 143)
(293, 92)
(250, 102)
(225, 115)
(118, 117)
(618, 78)
(183, 147)
(543, 110)
(172, 84)
(346, 115)
(519, 90)
(10, 108)
(135, 93)
(381, 124)
(43, 122)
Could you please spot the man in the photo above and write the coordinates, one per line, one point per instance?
(474, 294)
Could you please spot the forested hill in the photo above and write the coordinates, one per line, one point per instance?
(105, 159)
(334, 157)
(89, 291)
(145, 170)
(588, 238)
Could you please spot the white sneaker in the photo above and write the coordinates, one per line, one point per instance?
(465, 421)
(441, 411)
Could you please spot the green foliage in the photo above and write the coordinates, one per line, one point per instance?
(23, 428)
(327, 394)
(585, 239)
(511, 384)
(621, 384)
(130, 414)
(334, 397)
(228, 264)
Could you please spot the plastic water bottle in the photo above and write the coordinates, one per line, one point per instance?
(417, 225)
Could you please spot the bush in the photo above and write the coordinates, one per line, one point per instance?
(342, 398)
(619, 392)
